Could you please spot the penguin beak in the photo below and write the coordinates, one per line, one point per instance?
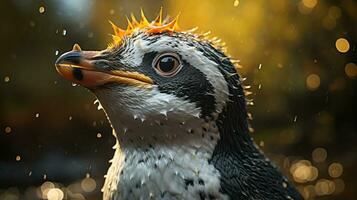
(83, 68)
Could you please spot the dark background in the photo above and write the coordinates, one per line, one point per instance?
(302, 83)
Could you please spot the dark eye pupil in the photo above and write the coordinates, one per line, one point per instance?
(167, 64)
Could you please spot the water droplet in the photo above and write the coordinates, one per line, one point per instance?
(295, 118)
(99, 135)
(261, 143)
(18, 158)
(6, 79)
(70, 118)
(41, 10)
(260, 66)
(64, 32)
(56, 52)
(285, 184)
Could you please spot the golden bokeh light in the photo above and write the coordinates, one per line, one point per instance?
(342, 45)
(335, 170)
(55, 194)
(313, 82)
(18, 158)
(324, 187)
(338, 84)
(303, 171)
(308, 192)
(339, 185)
(88, 184)
(329, 23)
(303, 9)
(74, 187)
(309, 3)
(351, 70)
(47, 185)
(319, 155)
(236, 3)
(45, 188)
(7, 129)
(334, 12)
(99, 135)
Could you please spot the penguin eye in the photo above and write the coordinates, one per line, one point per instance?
(167, 64)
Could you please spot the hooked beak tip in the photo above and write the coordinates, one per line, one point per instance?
(72, 57)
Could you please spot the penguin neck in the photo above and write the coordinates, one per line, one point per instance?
(233, 127)
(147, 157)
(166, 133)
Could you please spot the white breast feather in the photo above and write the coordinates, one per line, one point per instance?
(175, 161)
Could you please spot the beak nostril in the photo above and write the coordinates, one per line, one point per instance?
(77, 74)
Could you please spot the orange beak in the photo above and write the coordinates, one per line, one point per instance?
(79, 67)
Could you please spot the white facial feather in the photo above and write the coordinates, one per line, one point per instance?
(128, 106)
(189, 54)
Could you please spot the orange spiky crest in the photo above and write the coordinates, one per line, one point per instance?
(156, 26)
(158, 19)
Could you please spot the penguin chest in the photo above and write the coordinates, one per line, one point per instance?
(164, 172)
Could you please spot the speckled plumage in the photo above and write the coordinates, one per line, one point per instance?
(186, 136)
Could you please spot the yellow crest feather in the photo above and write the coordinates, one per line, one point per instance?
(156, 26)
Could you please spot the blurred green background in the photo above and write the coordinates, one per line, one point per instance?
(299, 57)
